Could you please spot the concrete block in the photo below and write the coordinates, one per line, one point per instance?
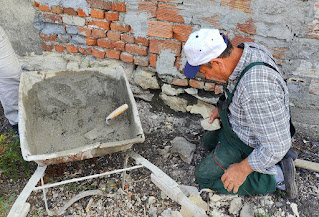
(210, 127)
(64, 38)
(202, 108)
(53, 29)
(169, 90)
(71, 20)
(184, 148)
(146, 79)
(77, 39)
(46, 62)
(175, 103)
(307, 68)
(72, 30)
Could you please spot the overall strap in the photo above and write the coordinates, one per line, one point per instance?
(230, 95)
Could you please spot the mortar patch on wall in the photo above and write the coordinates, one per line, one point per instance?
(165, 64)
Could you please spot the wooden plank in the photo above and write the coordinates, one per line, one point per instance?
(309, 165)
(168, 185)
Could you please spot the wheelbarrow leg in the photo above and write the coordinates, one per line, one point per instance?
(125, 156)
(44, 196)
(20, 208)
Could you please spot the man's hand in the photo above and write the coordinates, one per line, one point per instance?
(213, 115)
(235, 175)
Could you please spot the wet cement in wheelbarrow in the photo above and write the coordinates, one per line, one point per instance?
(62, 110)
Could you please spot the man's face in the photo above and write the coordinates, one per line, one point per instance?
(207, 70)
(211, 71)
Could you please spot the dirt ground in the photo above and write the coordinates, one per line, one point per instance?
(141, 197)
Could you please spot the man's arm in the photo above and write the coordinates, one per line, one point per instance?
(236, 175)
(269, 121)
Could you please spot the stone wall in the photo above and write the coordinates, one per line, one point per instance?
(149, 35)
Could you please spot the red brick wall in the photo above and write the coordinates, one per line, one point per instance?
(105, 35)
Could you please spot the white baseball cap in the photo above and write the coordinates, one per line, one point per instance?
(201, 47)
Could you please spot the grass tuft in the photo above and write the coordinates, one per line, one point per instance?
(12, 164)
(5, 203)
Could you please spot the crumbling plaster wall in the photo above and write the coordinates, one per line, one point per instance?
(289, 29)
(16, 18)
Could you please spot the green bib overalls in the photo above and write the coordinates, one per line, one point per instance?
(228, 149)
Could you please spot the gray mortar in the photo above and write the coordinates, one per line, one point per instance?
(195, 12)
(75, 4)
(62, 109)
(49, 28)
(73, 30)
(136, 19)
(78, 39)
(165, 64)
(17, 20)
(138, 22)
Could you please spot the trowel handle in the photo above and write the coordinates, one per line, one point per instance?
(117, 111)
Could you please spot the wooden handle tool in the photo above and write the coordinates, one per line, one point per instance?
(116, 112)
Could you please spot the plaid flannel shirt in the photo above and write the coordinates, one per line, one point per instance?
(259, 112)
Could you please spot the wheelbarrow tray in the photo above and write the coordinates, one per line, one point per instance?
(58, 110)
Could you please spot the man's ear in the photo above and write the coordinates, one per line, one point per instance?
(218, 64)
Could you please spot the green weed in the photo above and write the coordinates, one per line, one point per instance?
(36, 213)
(280, 194)
(5, 202)
(12, 165)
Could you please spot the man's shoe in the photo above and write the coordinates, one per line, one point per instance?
(291, 154)
(289, 171)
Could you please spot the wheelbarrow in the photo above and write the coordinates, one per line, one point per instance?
(62, 119)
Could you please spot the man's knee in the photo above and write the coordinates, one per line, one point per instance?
(210, 139)
(207, 171)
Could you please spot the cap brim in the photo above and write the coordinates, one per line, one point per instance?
(190, 71)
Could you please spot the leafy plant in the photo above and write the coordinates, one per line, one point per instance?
(12, 165)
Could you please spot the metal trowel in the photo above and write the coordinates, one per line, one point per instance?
(98, 131)
(116, 112)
